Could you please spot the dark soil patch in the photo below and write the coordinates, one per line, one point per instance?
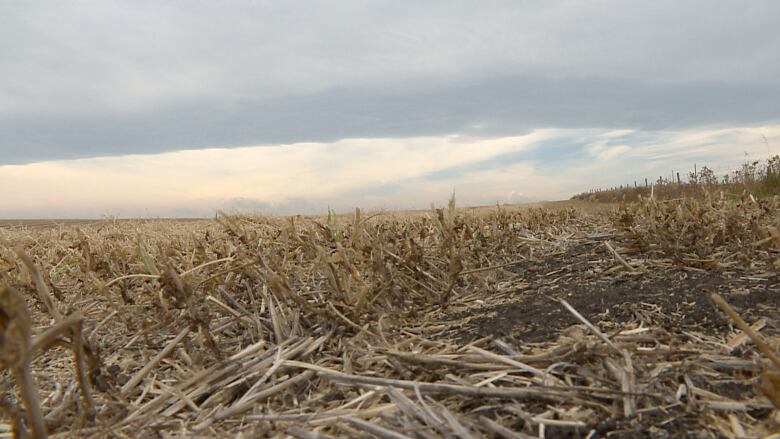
(676, 423)
(674, 299)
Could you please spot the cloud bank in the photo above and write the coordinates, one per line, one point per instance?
(383, 173)
(85, 79)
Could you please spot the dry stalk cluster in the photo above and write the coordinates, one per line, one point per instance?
(253, 326)
(707, 232)
(760, 178)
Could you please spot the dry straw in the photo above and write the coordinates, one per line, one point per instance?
(342, 327)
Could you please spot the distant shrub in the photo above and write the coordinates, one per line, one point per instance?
(760, 179)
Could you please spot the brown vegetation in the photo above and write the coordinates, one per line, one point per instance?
(348, 326)
(761, 179)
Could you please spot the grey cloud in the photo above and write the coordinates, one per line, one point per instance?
(82, 79)
(484, 108)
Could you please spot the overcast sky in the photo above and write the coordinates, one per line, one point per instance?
(181, 108)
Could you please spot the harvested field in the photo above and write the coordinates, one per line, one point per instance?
(552, 321)
(27, 224)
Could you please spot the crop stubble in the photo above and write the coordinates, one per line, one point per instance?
(502, 322)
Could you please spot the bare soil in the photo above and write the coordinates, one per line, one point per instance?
(673, 298)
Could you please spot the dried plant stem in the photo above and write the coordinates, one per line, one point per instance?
(454, 389)
(130, 385)
(132, 276)
(16, 354)
(51, 335)
(492, 267)
(501, 431)
(590, 326)
(300, 433)
(259, 396)
(742, 325)
(742, 338)
(617, 256)
(32, 403)
(40, 286)
(157, 276)
(374, 429)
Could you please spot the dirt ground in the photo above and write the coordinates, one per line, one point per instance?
(671, 297)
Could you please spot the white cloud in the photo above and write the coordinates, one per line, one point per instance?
(205, 179)
(603, 151)
(370, 173)
(616, 134)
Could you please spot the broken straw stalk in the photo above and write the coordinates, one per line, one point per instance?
(343, 328)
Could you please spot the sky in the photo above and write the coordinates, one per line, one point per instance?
(154, 109)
